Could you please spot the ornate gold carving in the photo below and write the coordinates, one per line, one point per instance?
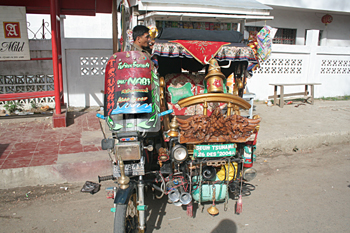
(237, 112)
(162, 82)
(123, 180)
(213, 210)
(163, 156)
(238, 86)
(215, 78)
(173, 128)
(229, 109)
(258, 126)
(214, 97)
(166, 120)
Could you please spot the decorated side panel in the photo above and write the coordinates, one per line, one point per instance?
(132, 89)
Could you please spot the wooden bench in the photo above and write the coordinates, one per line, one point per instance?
(306, 94)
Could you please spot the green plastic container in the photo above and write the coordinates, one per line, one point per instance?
(207, 191)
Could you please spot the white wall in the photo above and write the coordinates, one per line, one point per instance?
(99, 26)
(22, 76)
(328, 65)
(309, 63)
(84, 63)
(336, 33)
(38, 49)
(326, 5)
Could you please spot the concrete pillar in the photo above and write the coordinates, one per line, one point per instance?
(312, 43)
(312, 37)
(115, 26)
(241, 26)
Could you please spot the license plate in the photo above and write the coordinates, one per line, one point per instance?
(135, 169)
(214, 151)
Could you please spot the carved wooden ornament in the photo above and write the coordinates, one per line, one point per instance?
(216, 128)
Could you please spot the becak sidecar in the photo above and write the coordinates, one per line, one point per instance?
(179, 131)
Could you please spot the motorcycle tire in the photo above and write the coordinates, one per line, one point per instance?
(126, 218)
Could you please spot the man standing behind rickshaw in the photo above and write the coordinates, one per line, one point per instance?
(143, 42)
(141, 37)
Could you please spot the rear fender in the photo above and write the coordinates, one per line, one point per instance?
(122, 196)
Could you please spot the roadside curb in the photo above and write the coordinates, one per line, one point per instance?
(303, 142)
(69, 168)
(81, 167)
(282, 130)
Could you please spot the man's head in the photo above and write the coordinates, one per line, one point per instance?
(140, 35)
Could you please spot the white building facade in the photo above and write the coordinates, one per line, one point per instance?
(308, 51)
(320, 53)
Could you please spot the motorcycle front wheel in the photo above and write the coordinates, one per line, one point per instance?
(126, 218)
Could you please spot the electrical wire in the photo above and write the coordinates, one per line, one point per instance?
(162, 186)
(246, 189)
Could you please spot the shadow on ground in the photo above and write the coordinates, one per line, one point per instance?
(225, 225)
(73, 115)
(3, 148)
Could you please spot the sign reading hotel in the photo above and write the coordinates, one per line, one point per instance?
(13, 34)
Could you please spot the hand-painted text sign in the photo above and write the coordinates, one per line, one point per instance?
(220, 150)
(131, 87)
(128, 84)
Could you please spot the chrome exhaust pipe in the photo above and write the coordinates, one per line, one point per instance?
(185, 198)
(174, 195)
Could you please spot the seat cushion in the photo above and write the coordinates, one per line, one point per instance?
(180, 86)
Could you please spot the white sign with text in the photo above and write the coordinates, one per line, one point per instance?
(13, 34)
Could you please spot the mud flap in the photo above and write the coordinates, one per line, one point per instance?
(122, 196)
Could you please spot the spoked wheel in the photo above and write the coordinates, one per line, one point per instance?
(126, 218)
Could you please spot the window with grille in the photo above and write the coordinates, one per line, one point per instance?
(283, 35)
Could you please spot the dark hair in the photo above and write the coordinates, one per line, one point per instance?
(139, 30)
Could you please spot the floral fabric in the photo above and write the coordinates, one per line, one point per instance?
(233, 52)
(202, 51)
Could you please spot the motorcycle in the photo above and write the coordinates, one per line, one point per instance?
(179, 133)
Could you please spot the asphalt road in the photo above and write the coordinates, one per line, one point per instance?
(307, 191)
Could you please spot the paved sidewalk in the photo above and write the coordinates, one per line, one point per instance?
(303, 127)
(33, 142)
(32, 152)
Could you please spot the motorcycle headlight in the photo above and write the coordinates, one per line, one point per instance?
(180, 153)
(128, 151)
(249, 174)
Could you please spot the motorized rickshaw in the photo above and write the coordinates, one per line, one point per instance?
(179, 130)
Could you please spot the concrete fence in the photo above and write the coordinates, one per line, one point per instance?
(311, 63)
(84, 61)
(29, 76)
